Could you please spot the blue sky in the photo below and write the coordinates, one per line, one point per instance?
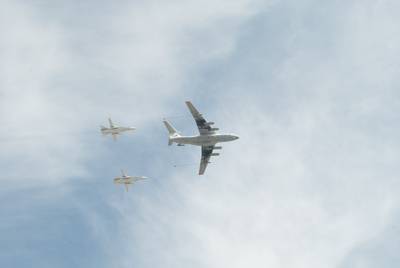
(311, 87)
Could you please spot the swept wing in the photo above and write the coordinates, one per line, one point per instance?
(206, 153)
(202, 124)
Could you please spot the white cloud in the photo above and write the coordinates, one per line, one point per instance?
(303, 187)
(60, 82)
(303, 193)
(33, 55)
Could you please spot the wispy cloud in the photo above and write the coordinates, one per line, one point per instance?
(61, 81)
(315, 174)
(310, 87)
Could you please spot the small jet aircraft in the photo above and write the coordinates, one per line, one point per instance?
(127, 180)
(114, 130)
(207, 139)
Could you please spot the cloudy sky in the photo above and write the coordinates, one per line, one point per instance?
(311, 87)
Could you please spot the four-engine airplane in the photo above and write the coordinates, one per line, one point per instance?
(127, 180)
(114, 130)
(207, 139)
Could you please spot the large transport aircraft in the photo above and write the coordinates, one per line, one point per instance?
(127, 180)
(114, 130)
(207, 139)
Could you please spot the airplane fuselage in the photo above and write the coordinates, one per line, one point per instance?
(204, 140)
(116, 130)
(128, 179)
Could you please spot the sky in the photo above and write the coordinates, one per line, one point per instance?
(311, 87)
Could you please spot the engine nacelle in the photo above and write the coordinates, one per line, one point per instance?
(214, 154)
(214, 129)
(209, 123)
(217, 147)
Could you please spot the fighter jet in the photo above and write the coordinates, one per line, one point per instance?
(114, 130)
(207, 139)
(127, 180)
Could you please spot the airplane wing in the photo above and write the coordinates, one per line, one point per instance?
(202, 124)
(206, 152)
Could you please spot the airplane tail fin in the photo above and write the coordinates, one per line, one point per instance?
(171, 130)
(111, 123)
